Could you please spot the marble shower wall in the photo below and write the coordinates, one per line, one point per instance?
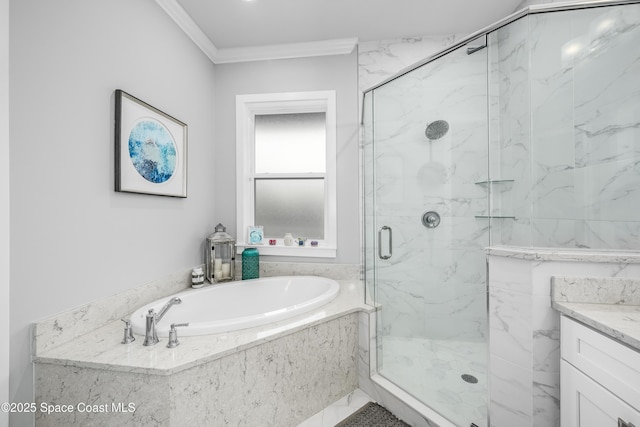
(565, 127)
(377, 61)
(524, 368)
(434, 284)
(509, 133)
(381, 59)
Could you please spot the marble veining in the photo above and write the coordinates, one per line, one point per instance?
(272, 375)
(101, 348)
(278, 383)
(609, 305)
(565, 134)
(64, 327)
(61, 328)
(558, 254)
(443, 362)
(525, 324)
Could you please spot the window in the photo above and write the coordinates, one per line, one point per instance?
(286, 163)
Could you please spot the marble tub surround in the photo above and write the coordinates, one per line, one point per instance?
(273, 375)
(280, 382)
(67, 326)
(609, 305)
(101, 348)
(330, 271)
(61, 328)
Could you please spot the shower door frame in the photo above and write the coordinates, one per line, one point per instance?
(460, 320)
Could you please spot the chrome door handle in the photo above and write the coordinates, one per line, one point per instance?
(383, 228)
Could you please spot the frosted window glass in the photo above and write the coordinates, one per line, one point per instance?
(290, 206)
(290, 143)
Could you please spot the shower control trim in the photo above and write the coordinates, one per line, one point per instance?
(385, 228)
(431, 219)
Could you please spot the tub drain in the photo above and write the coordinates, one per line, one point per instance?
(469, 378)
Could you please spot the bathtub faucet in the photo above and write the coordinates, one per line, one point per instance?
(150, 335)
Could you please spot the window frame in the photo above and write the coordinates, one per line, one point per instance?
(247, 107)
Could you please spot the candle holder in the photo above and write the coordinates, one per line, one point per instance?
(220, 252)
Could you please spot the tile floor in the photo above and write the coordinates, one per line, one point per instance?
(338, 411)
(431, 370)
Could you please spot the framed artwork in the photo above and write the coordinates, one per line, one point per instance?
(256, 234)
(151, 149)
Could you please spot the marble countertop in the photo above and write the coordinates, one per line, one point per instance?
(607, 304)
(562, 254)
(101, 348)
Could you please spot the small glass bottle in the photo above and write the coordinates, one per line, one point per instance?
(250, 264)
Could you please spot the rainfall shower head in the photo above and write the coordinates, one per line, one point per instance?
(436, 130)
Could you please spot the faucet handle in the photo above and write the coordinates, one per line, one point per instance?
(173, 334)
(128, 333)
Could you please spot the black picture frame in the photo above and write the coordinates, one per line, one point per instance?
(150, 149)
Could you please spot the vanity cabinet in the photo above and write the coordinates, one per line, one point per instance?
(600, 379)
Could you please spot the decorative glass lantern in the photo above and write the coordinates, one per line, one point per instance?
(220, 254)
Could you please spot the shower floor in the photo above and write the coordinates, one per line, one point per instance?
(431, 370)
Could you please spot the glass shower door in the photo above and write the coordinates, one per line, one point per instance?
(426, 227)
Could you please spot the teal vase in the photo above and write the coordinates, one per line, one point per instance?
(250, 264)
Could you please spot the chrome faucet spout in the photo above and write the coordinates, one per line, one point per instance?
(173, 301)
(151, 336)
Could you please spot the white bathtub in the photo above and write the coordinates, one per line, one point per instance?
(238, 305)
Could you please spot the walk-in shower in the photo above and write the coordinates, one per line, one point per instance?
(524, 134)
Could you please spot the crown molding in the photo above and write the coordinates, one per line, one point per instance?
(254, 53)
(191, 29)
(287, 51)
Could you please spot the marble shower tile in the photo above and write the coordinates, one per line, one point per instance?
(510, 326)
(510, 274)
(546, 336)
(511, 391)
(546, 399)
(378, 60)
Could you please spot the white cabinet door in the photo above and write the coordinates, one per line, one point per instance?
(585, 403)
(611, 364)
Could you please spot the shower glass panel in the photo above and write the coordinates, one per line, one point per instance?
(426, 150)
(565, 129)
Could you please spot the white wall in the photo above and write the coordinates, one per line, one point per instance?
(338, 73)
(4, 201)
(73, 238)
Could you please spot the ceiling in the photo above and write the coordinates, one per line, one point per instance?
(250, 23)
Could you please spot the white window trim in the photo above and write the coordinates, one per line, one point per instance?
(247, 107)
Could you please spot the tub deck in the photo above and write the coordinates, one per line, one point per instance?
(101, 348)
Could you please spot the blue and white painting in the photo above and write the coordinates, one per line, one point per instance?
(152, 151)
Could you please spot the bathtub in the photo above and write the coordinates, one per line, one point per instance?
(239, 305)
